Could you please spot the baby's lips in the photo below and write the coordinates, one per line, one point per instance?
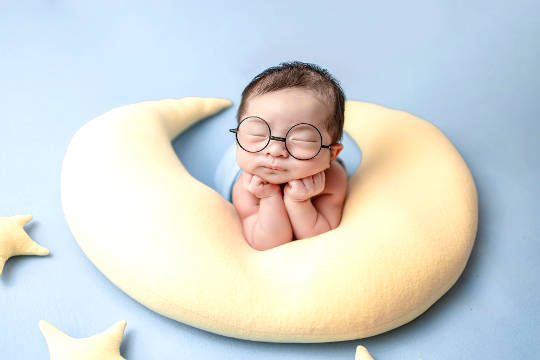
(273, 166)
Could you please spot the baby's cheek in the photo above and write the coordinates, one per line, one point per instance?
(244, 160)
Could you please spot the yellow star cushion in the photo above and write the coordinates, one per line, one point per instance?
(103, 346)
(362, 354)
(15, 241)
(176, 246)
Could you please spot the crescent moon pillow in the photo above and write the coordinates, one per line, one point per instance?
(176, 245)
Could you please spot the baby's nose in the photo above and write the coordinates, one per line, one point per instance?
(276, 148)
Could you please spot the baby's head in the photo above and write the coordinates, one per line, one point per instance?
(284, 96)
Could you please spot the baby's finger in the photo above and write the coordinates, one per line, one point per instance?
(256, 180)
(321, 185)
(247, 178)
(314, 181)
(307, 181)
(320, 178)
(294, 184)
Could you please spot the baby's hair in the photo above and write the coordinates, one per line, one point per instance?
(304, 75)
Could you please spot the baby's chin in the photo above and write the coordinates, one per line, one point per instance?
(279, 177)
(274, 176)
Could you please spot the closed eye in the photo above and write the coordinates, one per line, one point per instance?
(304, 140)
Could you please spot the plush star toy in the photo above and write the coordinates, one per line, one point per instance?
(362, 353)
(15, 241)
(102, 346)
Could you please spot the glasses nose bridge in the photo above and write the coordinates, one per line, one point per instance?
(272, 137)
(280, 149)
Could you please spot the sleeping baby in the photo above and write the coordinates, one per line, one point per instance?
(290, 120)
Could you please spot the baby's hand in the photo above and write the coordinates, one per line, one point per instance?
(260, 188)
(306, 188)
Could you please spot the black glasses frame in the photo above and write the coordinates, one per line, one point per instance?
(284, 139)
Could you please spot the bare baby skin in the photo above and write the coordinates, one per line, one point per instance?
(277, 197)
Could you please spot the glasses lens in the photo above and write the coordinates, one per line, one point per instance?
(253, 134)
(303, 141)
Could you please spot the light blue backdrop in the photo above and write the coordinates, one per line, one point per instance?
(469, 67)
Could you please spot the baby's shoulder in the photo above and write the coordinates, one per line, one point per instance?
(336, 173)
(330, 202)
(335, 178)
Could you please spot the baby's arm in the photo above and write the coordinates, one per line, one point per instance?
(310, 214)
(261, 209)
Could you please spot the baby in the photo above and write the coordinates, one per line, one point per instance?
(290, 120)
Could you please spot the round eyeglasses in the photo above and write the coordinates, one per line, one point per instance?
(303, 141)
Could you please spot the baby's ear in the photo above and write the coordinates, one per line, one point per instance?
(336, 149)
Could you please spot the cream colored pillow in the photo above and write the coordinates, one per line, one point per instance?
(176, 246)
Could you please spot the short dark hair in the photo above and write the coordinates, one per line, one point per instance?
(304, 75)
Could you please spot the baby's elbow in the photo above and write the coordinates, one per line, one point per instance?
(332, 215)
(259, 246)
(334, 222)
(261, 240)
(323, 223)
(256, 243)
